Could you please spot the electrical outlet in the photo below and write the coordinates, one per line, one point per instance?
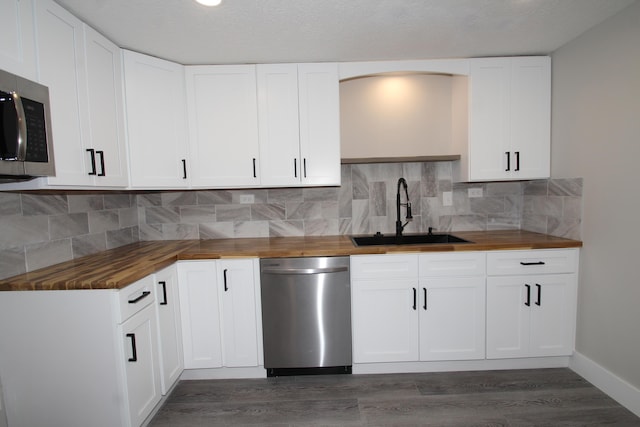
(447, 198)
(475, 192)
(247, 198)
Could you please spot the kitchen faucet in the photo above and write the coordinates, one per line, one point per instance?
(409, 217)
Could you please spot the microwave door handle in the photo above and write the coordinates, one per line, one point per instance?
(21, 154)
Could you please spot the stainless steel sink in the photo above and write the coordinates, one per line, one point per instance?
(409, 239)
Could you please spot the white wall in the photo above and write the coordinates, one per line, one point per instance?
(596, 135)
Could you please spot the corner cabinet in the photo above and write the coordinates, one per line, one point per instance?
(531, 303)
(220, 325)
(83, 71)
(91, 356)
(299, 123)
(156, 122)
(509, 119)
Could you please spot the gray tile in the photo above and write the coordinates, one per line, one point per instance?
(503, 188)
(180, 232)
(413, 171)
(10, 204)
(320, 194)
(535, 188)
(286, 228)
(39, 204)
(469, 223)
(344, 226)
(568, 228)
(18, 230)
(214, 197)
(48, 253)
(68, 225)
(267, 211)
(124, 236)
(12, 262)
(429, 183)
(150, 232)
(85, 202)
(119, 201)
(149, 199)
(572, 207)
(360, 219)
(330, 209)
(162, 214)
(251, 229)
(216, 230)
(178, 198)
(279, 195)
(197, 214)
(320, 227)
(359, 183)
(233, 212)
(128, 217)
(378, 198)
(303, 210)
(100, 221)
(88, 244)
(535, 223)
(565, 187)
(487, 205)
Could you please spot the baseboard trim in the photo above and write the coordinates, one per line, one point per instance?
(618, 389)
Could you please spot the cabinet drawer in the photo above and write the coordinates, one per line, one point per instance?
(547, 261)
(134, 298)
(383, 266)
(448, 264)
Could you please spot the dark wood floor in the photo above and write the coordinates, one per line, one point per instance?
(541, 397)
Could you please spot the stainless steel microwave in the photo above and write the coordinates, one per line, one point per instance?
(25, 129)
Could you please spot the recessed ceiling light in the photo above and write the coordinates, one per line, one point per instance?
(209, 2)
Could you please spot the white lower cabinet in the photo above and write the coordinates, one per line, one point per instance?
(531, 313)
(218, 306)
(169, 329)
(418, 307)
(83, 357)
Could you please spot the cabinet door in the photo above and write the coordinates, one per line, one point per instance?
(489, 118)
(553, 315)
(156, 122)
(18, 44)
(223, 123)
(508, 316)
(61, 62)
(169, 328)
(280, 162)
(385, 320)
(139, 335)
(238, 312)
(530, 109)
(452, 318)
(199, 309)
(319, 106)
(106, 113)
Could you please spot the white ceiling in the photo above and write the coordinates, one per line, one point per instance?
(265, 31)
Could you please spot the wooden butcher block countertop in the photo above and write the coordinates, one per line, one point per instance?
(117, 268)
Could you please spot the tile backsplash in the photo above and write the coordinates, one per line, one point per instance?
(37, 230)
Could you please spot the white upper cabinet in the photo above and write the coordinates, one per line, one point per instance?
(299, 124)
(18, 42)
(61, 60)
(223, 125)
(509, 119)
(106, 111)
(278, 120)
(156, 122)
(83, 71)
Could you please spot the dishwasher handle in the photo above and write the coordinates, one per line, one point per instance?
(304, 270)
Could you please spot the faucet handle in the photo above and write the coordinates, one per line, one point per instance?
(409, 217)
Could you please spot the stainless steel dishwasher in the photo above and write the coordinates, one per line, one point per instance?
(306, 315)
